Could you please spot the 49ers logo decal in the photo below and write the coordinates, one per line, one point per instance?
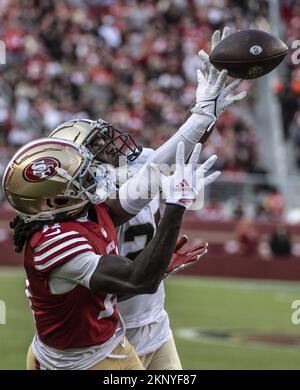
(41, 169)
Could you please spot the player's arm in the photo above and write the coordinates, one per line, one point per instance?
(119, 275)
(212, 98)
(116, 274)
(124, 206)
(113, 274)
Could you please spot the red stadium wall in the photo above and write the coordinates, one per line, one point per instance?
(221, 264)
(216, 263)
(243, 267)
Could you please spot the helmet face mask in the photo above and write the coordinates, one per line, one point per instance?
(99, 136)
(49, 177)
(122, 142)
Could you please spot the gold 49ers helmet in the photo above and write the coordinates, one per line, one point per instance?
(86, 131)
(50, 176)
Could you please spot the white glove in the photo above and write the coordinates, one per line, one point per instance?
(183, 187)
(212, 96)
(215, 40)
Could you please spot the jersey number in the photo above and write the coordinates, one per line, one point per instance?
(146, 229)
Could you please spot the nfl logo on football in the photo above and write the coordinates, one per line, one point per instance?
(2, 313)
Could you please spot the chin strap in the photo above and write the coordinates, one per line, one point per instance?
(50, 215)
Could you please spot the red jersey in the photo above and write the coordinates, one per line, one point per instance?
(80, 317)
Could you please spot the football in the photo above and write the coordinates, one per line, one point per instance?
(248, 54)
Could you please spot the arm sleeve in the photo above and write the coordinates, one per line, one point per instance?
(189, 133)
(57, 247)
(79, 270)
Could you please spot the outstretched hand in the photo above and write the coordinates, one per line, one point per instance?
(212, 95)
(183, 259)
(185, 187)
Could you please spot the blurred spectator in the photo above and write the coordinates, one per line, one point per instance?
(246, 242)
(247, 238)
(280, 242)
(271, 204)
(131, 62)
(293, 215)
(288, 88)
(238, 211)
(213, 211)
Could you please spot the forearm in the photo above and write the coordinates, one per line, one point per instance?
(190, 133)
(119, 275)
(205, 134)
(150, 265)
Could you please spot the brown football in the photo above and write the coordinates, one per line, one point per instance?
(248, 54)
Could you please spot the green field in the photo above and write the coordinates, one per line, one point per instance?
(208, 304)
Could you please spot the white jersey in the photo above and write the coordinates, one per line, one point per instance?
(146, 309)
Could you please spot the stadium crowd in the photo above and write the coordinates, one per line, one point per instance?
(131, 62)
(289, 87)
